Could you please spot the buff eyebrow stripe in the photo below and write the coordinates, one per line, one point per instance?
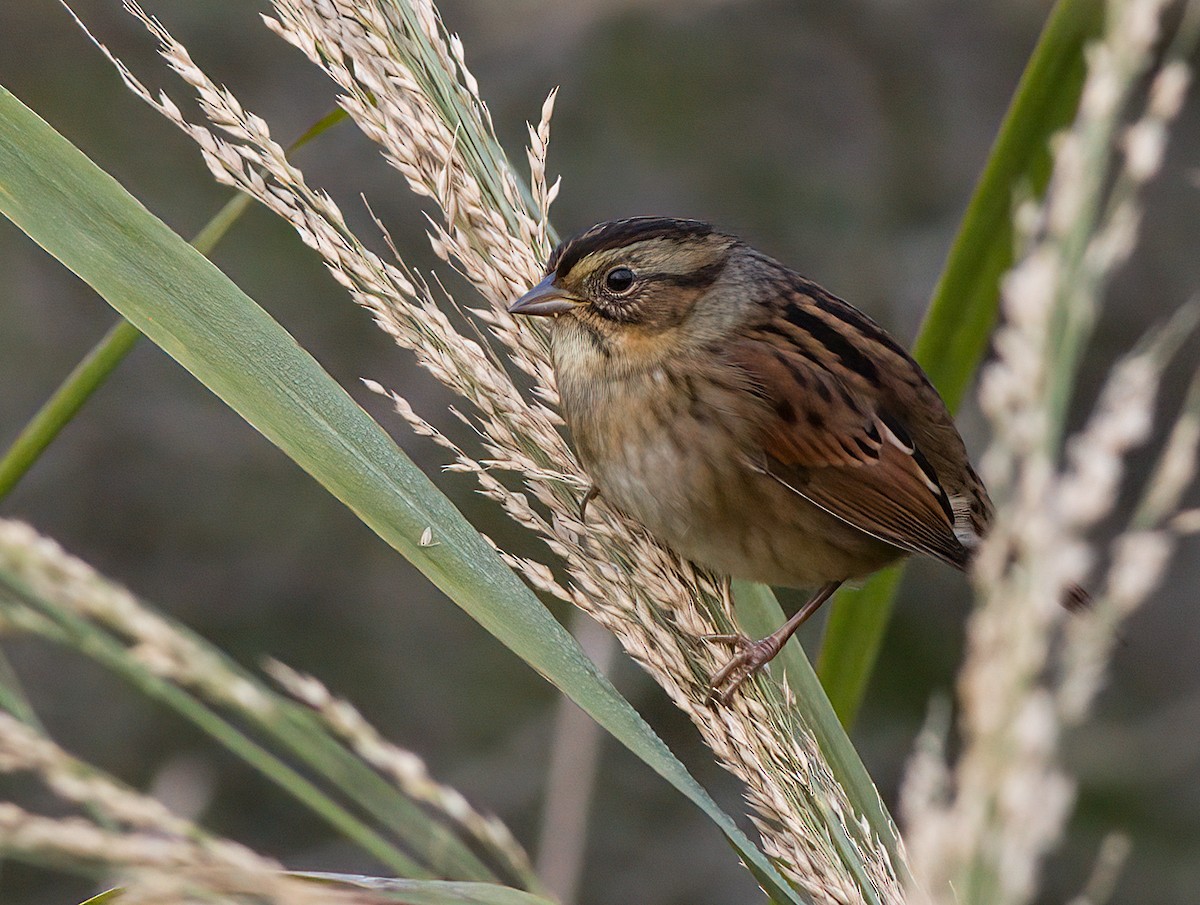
(696, 279)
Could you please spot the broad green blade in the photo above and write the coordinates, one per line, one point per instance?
(410, 892)
(954, 335)
(430, 892)
(959, 322)
(105, 898)
(184, 304)
(853, 636)
(100, 363)
(758, 613)
(85, 378)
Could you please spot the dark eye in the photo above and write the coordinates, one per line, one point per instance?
(619, 279)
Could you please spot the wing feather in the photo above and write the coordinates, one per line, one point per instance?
(846, 454)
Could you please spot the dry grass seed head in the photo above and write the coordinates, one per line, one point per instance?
(655, 606)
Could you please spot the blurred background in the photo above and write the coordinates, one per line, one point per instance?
(842, 138)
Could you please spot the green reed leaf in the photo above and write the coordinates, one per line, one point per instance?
(410, 892)
(189, 308)
(429, 892)
(955, 332)
(105, 898)
(758, 613)
(103, 358)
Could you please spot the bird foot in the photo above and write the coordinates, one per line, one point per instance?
(750, 657)
(592, 492)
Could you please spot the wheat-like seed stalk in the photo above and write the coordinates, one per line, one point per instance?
(163, 859)
(978, 829)
(404, 82)
(404, 768)
(40, 568)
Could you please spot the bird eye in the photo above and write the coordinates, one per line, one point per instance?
(619, 279)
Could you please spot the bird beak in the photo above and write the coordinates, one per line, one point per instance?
(543, 299)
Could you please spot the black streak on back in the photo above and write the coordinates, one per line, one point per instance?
(835, 342)
(854, 318)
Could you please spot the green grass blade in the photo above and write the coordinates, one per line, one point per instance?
(429, 892)
(410, 892)
(94, 369)
(105, 898)
(85, 378)
(185, 305)
(853, 636)
(103, 358)
(68, 628)
(954, 335)
(759, 614)
(13, 699)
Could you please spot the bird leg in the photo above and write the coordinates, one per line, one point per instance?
(592, 492)
(752, 656)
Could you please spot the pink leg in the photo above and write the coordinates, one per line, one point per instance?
(754, 655)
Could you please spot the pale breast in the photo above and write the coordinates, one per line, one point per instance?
(677, 452)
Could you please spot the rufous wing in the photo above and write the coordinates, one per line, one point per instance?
(841, 451)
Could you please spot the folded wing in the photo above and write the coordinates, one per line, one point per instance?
(843, 452)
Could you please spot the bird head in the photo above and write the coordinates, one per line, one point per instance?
(632, 281)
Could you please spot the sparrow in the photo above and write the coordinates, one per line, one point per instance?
(751, 421)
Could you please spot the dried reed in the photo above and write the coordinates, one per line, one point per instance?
(978, 829)
(405, 83)
(39, 580)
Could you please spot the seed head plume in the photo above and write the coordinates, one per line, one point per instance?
(404, 81)
(978, 828)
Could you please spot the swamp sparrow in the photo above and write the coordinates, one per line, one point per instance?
(751, 421)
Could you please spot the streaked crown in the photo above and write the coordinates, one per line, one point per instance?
(618, 234)
(645, 271)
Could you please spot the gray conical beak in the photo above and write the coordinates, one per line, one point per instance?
(543, 299)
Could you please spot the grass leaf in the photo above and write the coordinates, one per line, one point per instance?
(185, 305)
(954, 335)
(105, 898)
(759, 613)
(430, 892)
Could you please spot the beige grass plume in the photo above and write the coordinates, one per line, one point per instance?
(404, 81)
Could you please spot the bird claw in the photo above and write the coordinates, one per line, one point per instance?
(592, 492)
(750, 657)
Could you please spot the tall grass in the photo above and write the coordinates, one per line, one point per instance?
(978, 827)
